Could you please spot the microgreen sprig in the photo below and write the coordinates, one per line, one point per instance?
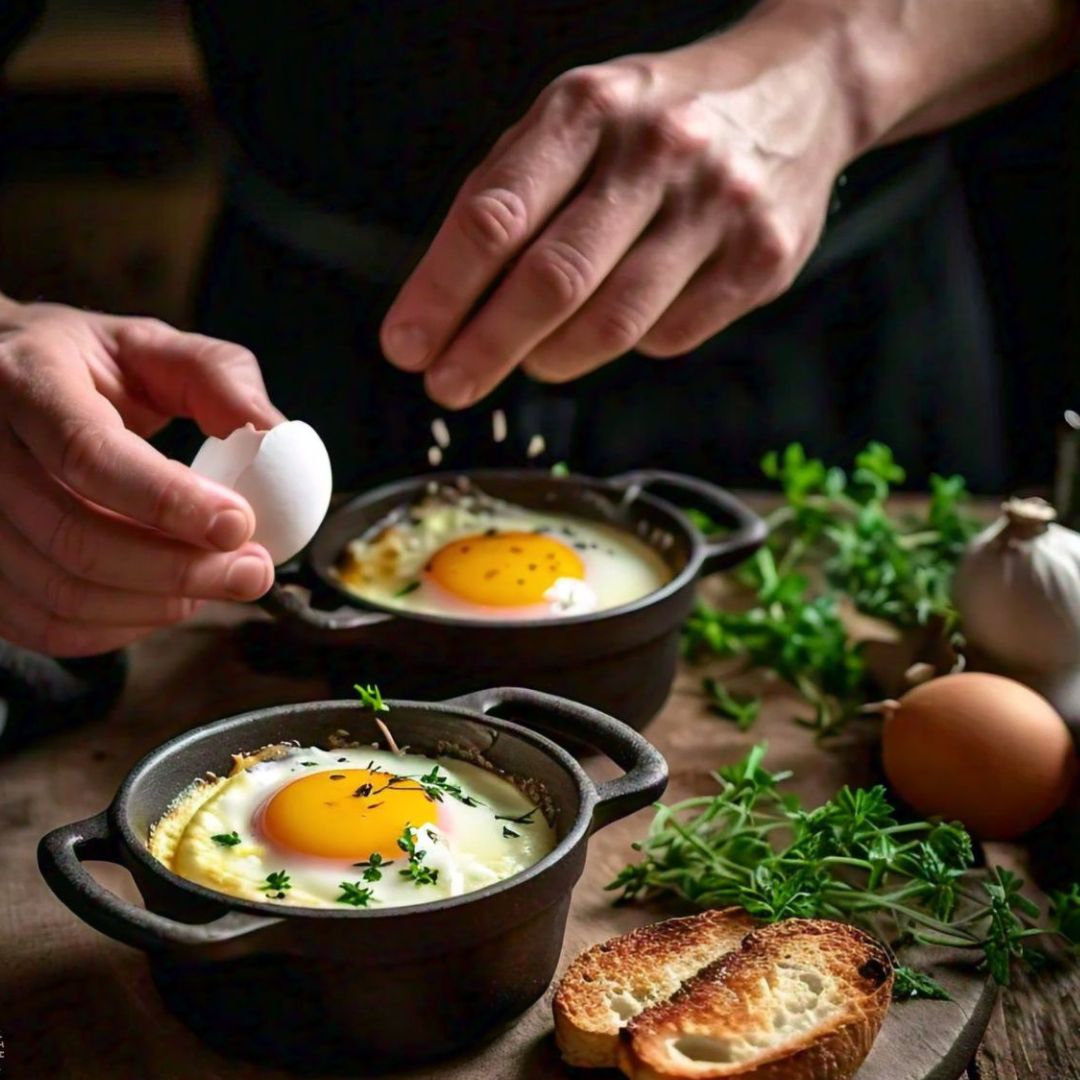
(227, 839)
(371, 697)
(756, 846)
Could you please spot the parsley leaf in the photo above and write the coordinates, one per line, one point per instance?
(890, 567)
(227, 839)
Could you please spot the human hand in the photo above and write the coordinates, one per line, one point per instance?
(643, 203)
(102, 538)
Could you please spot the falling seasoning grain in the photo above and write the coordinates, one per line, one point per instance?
(440, 432)
(536, 446)
(434, 456)
(498, 426)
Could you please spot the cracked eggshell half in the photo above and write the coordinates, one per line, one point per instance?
(284, 474)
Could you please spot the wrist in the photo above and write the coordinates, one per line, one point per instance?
(861, 72)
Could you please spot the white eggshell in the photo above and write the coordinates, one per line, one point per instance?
(284, 474)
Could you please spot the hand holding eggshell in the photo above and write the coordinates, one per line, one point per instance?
(103, 538)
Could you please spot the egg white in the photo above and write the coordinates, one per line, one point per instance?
(469, 846)
(389, 568)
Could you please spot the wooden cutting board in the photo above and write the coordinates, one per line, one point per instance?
(75, 1005)
(920, 1040)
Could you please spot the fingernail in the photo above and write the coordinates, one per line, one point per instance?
(407, 346)
(451, 387)
(248, 578)
(228, 529)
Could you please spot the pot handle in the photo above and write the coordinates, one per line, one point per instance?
(749, 530)
(288, 605)
(60, 857)
(645, 775)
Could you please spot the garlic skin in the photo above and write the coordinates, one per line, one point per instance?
(1017, 590)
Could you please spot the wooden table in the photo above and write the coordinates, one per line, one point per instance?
(74, 1004)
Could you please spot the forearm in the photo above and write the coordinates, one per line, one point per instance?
(910, 67)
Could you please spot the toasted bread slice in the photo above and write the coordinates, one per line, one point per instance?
(611, 982)
(799, 1000)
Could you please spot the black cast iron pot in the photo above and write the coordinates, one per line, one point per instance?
(328, 989)
(621, 660)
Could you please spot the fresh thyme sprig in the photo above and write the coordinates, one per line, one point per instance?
(374, 866)
(415, 871)
(355, 894)
(277, 884)
(756, 846)
(890, 568)
(437, 784)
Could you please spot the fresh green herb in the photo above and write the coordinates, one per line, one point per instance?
(742, 709)
(415, 871)
(756, 846)
(276, 885)
(436, 785)
(893, 568)
(371, 697)
(374, 866)
(419, 874)
(560, 468)
(407, 842)
(309, 764)
(510, 834)
(409, 587)
(355, 894)
(909, 984)
(227, 839)
(521, 819)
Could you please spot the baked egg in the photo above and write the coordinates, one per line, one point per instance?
(471, 556)
(352, 827)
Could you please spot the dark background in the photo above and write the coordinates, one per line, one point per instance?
(110, 179)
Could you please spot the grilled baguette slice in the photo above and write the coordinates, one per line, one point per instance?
(799, 1000)
(613, 981)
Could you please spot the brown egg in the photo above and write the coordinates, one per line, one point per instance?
(980, 749)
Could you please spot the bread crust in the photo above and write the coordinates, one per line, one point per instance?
(734, 998)
(644, 966)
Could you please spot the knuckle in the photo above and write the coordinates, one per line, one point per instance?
(173, 504)
(592, 92)
(619, 326)
(561, 271)
(71, 547)
(495, 220)
(675, 133)
(84, 446)
(64, 596)
(664, 342)
(774, 252)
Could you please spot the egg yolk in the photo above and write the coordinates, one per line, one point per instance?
(508, 569)
(346, 814)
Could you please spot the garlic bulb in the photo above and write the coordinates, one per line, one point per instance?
(1017, 590)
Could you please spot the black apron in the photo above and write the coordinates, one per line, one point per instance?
(375, 113)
